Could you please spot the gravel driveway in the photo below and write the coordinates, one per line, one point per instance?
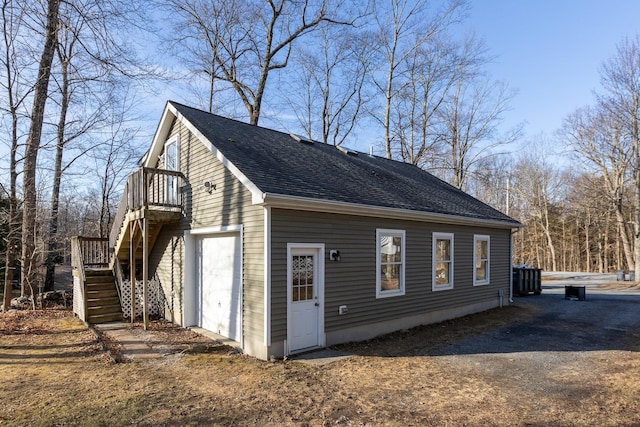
(558, 354)
(607, 320)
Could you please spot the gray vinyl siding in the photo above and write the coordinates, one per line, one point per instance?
(228, 205)
(352, 281)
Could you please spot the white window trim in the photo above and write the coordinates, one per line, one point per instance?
(436, 237)
(393, 233)
(476, 238)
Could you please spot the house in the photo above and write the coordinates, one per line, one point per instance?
(285, 245)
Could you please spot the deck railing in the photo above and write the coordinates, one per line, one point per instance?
(94, 251)
(145, 188)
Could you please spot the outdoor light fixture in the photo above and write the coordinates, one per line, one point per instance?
(334, 255)
(208, 186)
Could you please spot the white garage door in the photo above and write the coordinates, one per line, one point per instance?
(220, 284)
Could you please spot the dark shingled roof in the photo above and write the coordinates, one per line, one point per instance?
(278, 164)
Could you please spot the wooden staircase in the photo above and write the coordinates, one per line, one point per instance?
(103, 302)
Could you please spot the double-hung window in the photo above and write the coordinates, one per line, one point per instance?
(442, 261)
(480, 260)
(390, 263)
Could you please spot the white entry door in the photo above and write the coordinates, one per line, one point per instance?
(219, 268)
(304, 293)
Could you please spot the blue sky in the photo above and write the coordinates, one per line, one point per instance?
(551, 51)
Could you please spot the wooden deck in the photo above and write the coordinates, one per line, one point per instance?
(151, 198)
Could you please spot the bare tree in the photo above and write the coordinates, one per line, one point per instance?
(491, 182)
(32, 146)
(470, 120)
(403, 27)
(600, 141)
(14, 65)
(620, 79)
(539, 185)
(431, 72)
(331, 94)
(588, 205)
(241, 42)
(112, 161)
(91, 63)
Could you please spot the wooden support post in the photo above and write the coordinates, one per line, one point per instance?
(145, 272)
(132, 268)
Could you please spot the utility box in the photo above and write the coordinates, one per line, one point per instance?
(527, 280)
(575, 292)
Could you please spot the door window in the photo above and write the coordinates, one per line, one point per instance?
(302, 277)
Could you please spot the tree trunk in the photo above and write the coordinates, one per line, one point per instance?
(52, 243)
(626, 244)
(387, 106)
(547, 233)
(587, 242)
(13, 226)
(40, 95)
(636, 227)
(605, 264)
(12, 239)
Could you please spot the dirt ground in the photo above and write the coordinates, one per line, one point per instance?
(542, 361)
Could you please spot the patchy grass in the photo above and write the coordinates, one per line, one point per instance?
(55, 373)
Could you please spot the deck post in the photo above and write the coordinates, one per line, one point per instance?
(145, 272)
(132, 268)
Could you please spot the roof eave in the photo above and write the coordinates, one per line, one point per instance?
(330, 206)
(150, 159)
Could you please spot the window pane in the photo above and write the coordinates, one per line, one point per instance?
(171, 157)
(397, 247)
(390, 249)
(442, 273)
(389, 277)
(481, 249)
(481, 270)
(443, 250)
(295, 277)
(309, 267)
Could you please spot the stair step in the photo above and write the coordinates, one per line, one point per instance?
(99, 302)
(101, 294)
(93, 272)
(104, 286)
(104, 309)
(104, 318)
(99, 279)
